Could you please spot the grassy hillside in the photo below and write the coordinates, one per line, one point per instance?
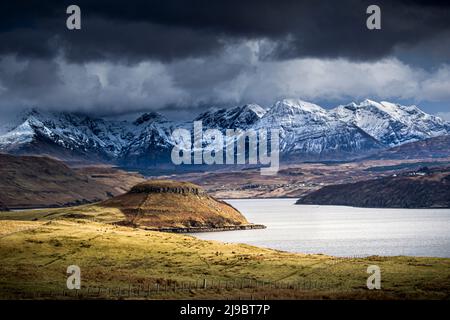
(29, 182)
(35, 254)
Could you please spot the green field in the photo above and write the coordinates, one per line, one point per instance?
(35, 255)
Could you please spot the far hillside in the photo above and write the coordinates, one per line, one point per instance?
(32, 181)
(424, 188)
(437, 147)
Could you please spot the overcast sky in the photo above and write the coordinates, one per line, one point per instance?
(180, 57)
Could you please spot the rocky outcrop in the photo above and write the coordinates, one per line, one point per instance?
(165, 186)
(176, 206)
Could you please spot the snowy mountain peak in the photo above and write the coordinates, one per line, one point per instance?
(296, 106)
(306, 128)
(20, 135)
(390, 109)
(390, 123)
(294, 113)
(255, 108)
(240, 117)
(368, 102)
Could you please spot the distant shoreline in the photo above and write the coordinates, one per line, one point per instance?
(272, 198)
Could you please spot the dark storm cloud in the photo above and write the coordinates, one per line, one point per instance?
(183, 56)
(167, 29)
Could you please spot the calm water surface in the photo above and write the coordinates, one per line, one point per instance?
(341, 231)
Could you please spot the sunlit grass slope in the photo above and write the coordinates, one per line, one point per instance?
(34, 257)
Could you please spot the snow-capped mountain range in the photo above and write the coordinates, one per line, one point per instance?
(390, 123)
(310, 131)
(307, 131)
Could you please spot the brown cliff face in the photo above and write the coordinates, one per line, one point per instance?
(173, 204)
(167, 186)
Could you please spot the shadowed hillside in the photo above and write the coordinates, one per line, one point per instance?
(30, 182)
(3, 207)
(422, 189)
(437, 147)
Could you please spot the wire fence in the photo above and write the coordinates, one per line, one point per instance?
(157, 289)
(311, 282)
